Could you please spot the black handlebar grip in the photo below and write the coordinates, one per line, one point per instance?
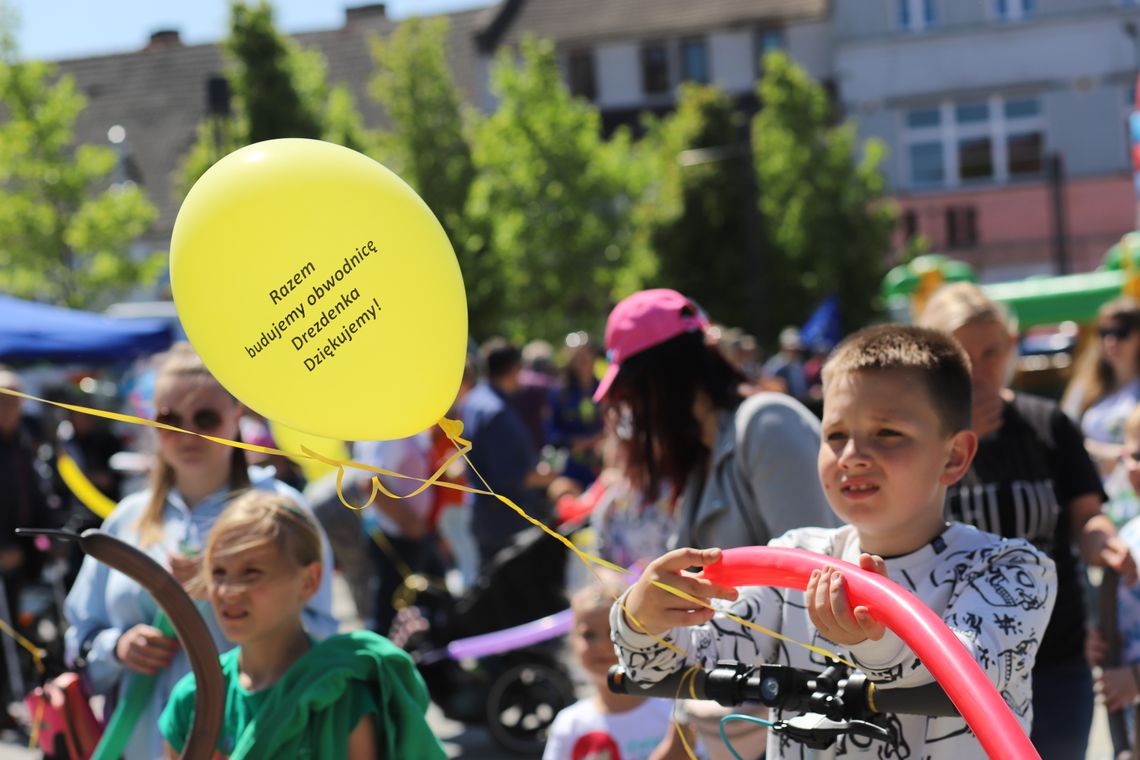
(929, 699)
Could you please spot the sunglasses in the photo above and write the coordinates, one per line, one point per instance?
(1114, 331)
(203, 420)
(1133, 455)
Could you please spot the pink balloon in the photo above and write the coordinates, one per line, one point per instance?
(944, 655)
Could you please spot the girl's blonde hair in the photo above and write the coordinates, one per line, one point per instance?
(962, 303)
(599, 594)
(180, 361)
(1093, 377)
(261, 517)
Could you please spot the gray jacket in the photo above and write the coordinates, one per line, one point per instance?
(763, 481)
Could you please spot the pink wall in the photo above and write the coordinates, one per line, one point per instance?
(1015, 227)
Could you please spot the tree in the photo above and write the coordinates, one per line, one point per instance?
(65, 233)
(279, 90)
(550, 205)
(425, 143)
(700, 216)
(827, 222)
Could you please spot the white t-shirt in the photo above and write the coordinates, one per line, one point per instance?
(407, 456)
(995, 594)
(581, 732)
(1104, 420)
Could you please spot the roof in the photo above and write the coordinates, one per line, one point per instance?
(159, 95)
(590, 20)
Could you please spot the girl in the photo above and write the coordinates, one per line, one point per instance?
(716, 469)
(111, 616)
(352, 696)
(1106, 385)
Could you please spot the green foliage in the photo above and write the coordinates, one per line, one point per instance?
(828, 224)
(64, 234)
(425, 143)
(550, 208)
(700, 214)
(279, 90)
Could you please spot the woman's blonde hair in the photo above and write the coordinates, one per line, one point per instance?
(962, 303)
(261, 517)
(1093, 377)
(180, 361)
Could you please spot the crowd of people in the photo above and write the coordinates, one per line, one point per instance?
(904, 451)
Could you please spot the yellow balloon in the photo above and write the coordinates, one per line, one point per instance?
(288, 439)
(321, 291)
(83, 489)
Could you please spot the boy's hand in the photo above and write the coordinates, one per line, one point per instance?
(830, 610)
(654, 610)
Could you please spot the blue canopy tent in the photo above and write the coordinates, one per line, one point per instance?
(38, 332)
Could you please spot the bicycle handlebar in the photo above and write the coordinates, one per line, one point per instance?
(833, 692)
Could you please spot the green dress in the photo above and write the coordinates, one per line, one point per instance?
(312, 710)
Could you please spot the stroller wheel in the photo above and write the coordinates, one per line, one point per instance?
(522, 703)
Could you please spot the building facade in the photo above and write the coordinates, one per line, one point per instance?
(1005, 119)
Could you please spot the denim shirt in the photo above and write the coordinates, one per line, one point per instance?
(104, 603)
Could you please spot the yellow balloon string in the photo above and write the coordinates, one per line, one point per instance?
(453, 429)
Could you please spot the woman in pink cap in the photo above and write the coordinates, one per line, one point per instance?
(733, 471)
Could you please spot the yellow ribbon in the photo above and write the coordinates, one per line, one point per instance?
(453, 429)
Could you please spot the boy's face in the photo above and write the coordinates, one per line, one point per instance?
(885, 461)
(1131, 458)
(590, 642)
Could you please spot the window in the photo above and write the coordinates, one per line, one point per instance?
(694, 60)
(995, 139)
(910, 224)
(582, 77)
(961, 227)
(926, 163)
(1012, 10)
(1025, 153)
(916, 15)
(654, 69)
(763, 42)
(975, 159)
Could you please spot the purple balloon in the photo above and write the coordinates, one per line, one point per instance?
(508, 639)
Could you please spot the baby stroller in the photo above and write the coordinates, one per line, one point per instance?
(516, 694)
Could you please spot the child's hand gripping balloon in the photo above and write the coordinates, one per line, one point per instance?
(831, 611)
(654, 610)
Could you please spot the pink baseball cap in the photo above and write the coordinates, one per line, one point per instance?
(644, 320)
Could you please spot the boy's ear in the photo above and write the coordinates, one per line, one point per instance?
(311, 580)
(963, 447)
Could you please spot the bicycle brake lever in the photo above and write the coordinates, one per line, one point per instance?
(820, 732)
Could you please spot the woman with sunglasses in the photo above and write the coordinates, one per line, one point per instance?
(112, 633)
(1106, 384)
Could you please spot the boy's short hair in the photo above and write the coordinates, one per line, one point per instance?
(933, 356)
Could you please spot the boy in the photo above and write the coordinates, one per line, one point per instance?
(605, 724)
(895, 434)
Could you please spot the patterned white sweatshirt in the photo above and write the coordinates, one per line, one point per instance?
(995, 594)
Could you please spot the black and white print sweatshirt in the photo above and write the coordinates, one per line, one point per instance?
(995, 594)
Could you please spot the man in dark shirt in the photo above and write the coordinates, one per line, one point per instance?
(502, 452)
